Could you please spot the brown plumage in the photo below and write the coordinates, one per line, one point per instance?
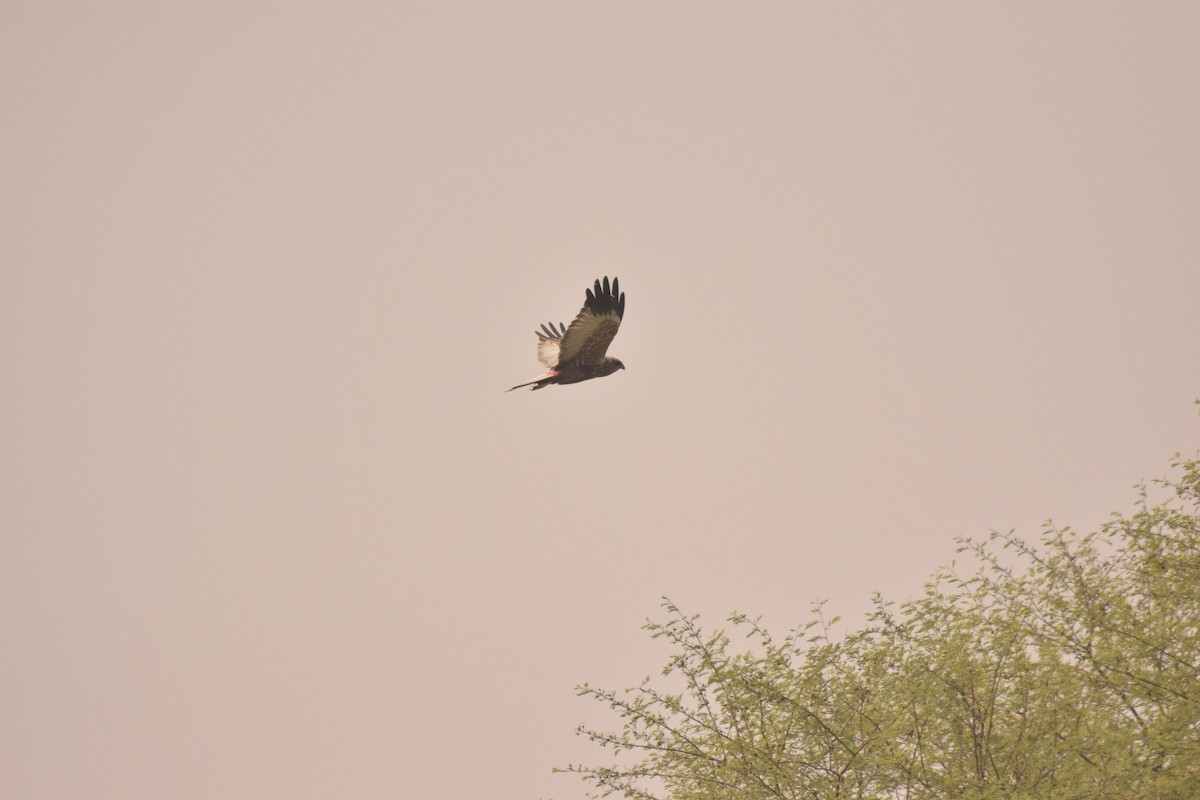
(577, 352)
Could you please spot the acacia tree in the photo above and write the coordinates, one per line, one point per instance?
(1068, 669)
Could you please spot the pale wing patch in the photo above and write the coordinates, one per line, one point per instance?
(547, 352)
(548, 340)
(588, 337)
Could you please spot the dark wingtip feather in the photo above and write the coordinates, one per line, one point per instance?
(606, 297)
(548, 331)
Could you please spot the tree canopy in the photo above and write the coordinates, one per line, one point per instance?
(1062, 669)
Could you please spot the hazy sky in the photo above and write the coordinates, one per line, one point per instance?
(270, 525)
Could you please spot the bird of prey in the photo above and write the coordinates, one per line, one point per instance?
(577, 353)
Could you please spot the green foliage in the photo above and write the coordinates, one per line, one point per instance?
(1065, 670)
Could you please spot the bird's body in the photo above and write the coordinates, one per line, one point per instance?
(577, 353)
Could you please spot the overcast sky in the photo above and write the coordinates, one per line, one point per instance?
(270, 525)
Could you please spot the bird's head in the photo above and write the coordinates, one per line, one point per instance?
(611, 365)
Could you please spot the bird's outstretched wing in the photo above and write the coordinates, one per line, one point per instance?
(547, 346)
(587, 338)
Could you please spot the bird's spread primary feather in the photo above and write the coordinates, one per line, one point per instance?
(547, 348)
(577, 352)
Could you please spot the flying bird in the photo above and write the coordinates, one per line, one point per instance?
(577, 353)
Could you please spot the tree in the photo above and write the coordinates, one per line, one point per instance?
(1063, 670)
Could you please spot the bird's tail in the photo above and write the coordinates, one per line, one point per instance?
(541, 381)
